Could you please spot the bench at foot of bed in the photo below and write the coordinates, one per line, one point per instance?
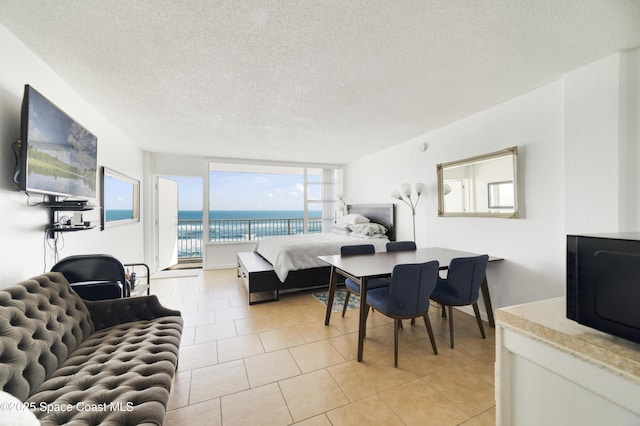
(259, 277)
(261, 280)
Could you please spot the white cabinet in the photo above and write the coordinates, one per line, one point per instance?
(553, 371)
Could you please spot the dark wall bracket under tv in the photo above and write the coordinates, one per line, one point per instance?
(66, 216)
(57, 158)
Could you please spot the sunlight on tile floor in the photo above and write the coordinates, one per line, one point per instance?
(278, 364)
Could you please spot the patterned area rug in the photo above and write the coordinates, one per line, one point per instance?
(338, 300)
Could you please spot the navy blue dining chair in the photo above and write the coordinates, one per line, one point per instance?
(352, 286)
(401, 246)
(461, 287)
(407, 297)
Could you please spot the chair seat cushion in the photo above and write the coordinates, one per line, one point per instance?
(119, 375)
(371, 284)
(380, 299)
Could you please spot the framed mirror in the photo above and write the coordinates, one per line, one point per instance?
(119, 199)
(482, 186)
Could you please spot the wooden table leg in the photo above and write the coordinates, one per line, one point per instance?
(363, 317)
(487, 302)
(333, 283)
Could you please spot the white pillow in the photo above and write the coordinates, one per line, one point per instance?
(369, 229)
(341, 229)
(352, 219)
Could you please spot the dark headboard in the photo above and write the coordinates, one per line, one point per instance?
(384, 214)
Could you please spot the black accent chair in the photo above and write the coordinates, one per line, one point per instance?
(95, 276)
(461, 287)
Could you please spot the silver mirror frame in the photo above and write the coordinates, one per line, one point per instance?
(135, 198)
(440, 169)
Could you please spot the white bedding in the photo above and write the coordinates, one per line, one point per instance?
(294, 252)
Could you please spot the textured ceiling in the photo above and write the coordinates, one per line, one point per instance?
(314, 81)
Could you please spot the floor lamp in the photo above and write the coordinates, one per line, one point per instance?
(404, 194)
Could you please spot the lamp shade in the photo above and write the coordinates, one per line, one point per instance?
(419, 188)
(395, 194)
(405, 189)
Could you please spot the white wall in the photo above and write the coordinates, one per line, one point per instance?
(569, 136)
(23, 249)
(591, 144)
(629, 175)
(533, 246)
(602, 138)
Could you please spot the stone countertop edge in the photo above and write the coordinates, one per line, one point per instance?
(546, 322)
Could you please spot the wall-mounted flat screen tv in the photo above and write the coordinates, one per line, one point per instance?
(59, 156)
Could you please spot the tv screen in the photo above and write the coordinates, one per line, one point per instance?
(59, 156)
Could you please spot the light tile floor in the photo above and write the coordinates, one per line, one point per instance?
(278, 364)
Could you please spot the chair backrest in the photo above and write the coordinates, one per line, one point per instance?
(465, 276)
(357, 249)
(91, 267)
(401, 246)
(412, 285)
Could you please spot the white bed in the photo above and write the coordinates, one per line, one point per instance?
(294, 252)
(290, 263)
(290, 253)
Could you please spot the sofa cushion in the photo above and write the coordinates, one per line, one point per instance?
(119, 375)
(41, 323)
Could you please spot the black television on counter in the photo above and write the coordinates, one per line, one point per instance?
(58, 156)
(603, 282)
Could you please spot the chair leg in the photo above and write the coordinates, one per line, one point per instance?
(427, 323)
(451, 325)
(395, 342)
(476, 310)
(346, 302)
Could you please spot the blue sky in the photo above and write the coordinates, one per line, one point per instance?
(120, 194)
(243, 191)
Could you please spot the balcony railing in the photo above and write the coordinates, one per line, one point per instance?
(230, 230)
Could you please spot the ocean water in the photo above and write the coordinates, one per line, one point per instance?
(240, 225)
(112, 215)
(247, 214)
(232, 225)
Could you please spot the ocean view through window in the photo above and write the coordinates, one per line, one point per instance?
(240, 225)
(248, 202)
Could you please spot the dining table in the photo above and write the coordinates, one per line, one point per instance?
(361, 268)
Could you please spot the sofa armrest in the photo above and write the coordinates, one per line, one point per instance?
(111, 312)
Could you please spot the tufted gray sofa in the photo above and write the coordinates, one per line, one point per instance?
(81, 362)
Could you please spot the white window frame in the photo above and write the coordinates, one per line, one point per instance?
(264, 166)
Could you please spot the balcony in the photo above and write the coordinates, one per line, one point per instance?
(233, 230)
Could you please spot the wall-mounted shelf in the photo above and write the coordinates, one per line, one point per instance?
(68, 206)
(55, 207)
(50, 230)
